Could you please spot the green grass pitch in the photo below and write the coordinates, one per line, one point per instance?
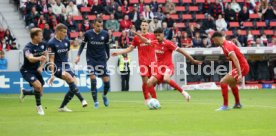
(128, 116)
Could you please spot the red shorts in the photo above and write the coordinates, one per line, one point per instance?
(169, 70)
(244, 70)
(148, 71)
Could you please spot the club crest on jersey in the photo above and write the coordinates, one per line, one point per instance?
(32, 78)
(102, 38)
(66, 44)
(42, 47)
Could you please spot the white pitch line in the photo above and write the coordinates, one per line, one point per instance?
(167, 101)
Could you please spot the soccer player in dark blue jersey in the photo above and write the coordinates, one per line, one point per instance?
(58, 48)
(34, 60)
(97, 54)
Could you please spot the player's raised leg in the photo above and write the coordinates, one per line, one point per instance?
(38, 89)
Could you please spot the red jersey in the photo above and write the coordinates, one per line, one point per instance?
(146, 52)
(228, 47)
(164, 52)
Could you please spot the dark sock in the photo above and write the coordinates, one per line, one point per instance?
(76, 91)
(106, 87)
(28, 92)
(69, 95)
(94, 90)
(37, 98)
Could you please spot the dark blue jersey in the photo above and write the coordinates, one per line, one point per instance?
(37, 51)
(59, 49)
(97, 46)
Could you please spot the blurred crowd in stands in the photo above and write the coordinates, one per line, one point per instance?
(188, 23)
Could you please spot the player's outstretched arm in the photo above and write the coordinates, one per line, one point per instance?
(187, 55)
(42, 63)
(33, 59)
(52, 68)
(143, 39)
(236, 62)
(124, 51)
(80, 51)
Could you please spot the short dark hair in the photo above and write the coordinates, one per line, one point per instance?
(99, 20)
(217, 34)
(158, 30)
(61, 26)
(144, 21)
(34, 32)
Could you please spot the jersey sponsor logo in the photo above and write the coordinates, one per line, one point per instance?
(62, 50)
(159, 51)
(143, 44)
(97, 43)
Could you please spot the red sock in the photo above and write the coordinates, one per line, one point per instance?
(224, 91)
(235, 91)
(175, 86)
(145, 91)
(152, 92)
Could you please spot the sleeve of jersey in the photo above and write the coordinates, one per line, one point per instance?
(229, 49)
(50, 48)
(27, 52)
(134, 42)
(83, 43)
(172, 46)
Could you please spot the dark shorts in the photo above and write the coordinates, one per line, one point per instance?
(31, 76)
(58, 72)
(99, 70)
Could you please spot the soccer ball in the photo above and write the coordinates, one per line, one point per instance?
(153, 104)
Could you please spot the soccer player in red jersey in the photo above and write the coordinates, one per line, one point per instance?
(147, 58)
(240, 69)
(164, 49)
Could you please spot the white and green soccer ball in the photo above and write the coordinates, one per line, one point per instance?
(153, 104)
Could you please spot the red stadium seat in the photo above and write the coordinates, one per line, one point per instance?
(240, 1)
(85, 9)
(179, 8)
(243, 32)
(187, 17)
(200, 16)
(200, 1)
(272, 24)
(161, 1)
(77, 18)
(247, 24)
(91, 17)
(261, 24)
(268, 32)
(193, 8)
(192, 23)
(117, 34)
(187, 1)
(74, 34)
(180, 25)
(174, 16)
(227, 1)
(212, 1)
(228, 33)
(134, 1)
(254, 16)
(175, 1)
(147, 1)
(106, 17)
(255, 32)
(234, 24)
